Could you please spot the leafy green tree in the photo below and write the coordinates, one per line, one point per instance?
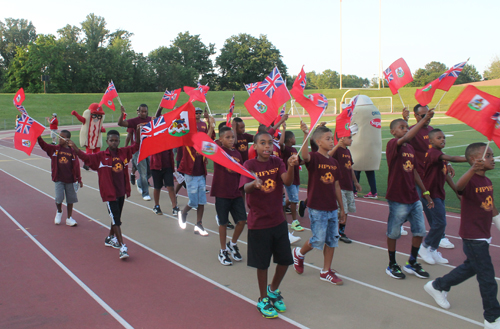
(431, 72)
(493, 71)
(246, 59)
(14, 33)
(194, 55)
(170, 72)
(69, 34)
(468, 74)
(94, 28)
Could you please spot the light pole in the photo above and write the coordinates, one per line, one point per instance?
(340, 44)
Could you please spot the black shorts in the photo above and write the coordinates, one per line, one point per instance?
(164, 177)
(264, 243)
(225, 206)
(115, 210)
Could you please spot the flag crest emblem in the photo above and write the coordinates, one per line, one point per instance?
(478, 103)
(26, 143)
(179, 126)
(428, 88)
(208, 148)
(400, 72)
(260, 107)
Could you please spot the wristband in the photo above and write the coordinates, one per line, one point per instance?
(426, 193)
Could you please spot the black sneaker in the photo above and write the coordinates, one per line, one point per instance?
(234, 251)
(345, 239)
(230, 226)
(302, 208)
(288, 210)
(394, 271)
(157, 210)
(132, 179)
(86, 167)
(224, 258)
(175, 211)
(416, 269)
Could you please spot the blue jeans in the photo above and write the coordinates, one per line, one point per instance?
(325, 228)
(370, 175)
(437, 221)
(478, 263)
(400, 213)
(142, 168)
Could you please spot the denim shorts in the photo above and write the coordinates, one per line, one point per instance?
(196, 187)
(293, 193)
(400, 213)
(325, 228)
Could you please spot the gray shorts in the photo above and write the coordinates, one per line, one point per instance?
(348, 201)
(53, 133)
(69, 190)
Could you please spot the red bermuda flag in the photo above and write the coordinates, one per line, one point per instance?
(275, 88)
(251, 87)
(398, 75)
(197, 94)
(230, 114)
(107, 98)
(168, 131)
(315, 104)
(18, 101)
(261, 107)
(343, 121)
(170, 98)
(478, 110)
(27, 131)
(204, 145)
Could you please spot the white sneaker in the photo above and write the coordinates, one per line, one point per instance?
(139, 189)
(123, 252)
(57, 220)
(445, 243)
(426, 255)
(438, 257)
(403, 231)
(146, 198)
(439, 296)
(293, 238)
(199, 229)
(70, 221)
(492, 325)
(182, 223)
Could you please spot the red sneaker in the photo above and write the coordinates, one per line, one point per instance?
(331, 277)
(371, 196)
(298, 262)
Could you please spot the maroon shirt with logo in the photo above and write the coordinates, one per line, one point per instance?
(476, 208)
(265, 205)
(226, 183)
(65, 157)
(202, 126)
(241, 144)
(132, 123)
(344, 158)
(401, 180)
(117, 174)
(434, 173)
(288, 151)
(323, 172)
(421, 145)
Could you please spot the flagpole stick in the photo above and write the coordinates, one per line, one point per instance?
(486, 149)
(210, 112)
(305, 140)
(435, 106)
(401, 98)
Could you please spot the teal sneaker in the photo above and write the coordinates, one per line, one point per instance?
(266, 309)
(276, 299)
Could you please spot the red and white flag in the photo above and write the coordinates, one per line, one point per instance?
(398, 75)
(197, 94)
(18, 101)
(314, 104)
(230, 114)
(170, 98)
(343, 121)
(109, 95)
(27, 132)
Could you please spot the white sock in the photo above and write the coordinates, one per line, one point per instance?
(299, 254)
(323, 272)
(232, 244)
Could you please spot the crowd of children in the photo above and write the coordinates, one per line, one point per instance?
(418, 170)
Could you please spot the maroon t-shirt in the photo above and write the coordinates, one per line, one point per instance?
(241, 144)
(132, 139)
(265, 205)
(226, 183)
(199, 165)
(65, 165)
(401, 180)
(343, 157)
(476, 208)
(132, 123)
(323, 172)
(434, 173)
(178, 156)
(421, 145)
(202, 126)
(117, 174)
(288, 151)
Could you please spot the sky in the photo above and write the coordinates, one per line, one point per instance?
(306, 32)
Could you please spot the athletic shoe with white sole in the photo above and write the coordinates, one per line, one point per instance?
(224, 258)
(345, 239)
(298, 261)
(371, 195)
(123, 252)
(139, 189)
(182, 219)
(296, 226)
(331, 277)
(439, 296)
(417, 270)
(426, 255)
(394, 271)
(288, 210)
(132, 179)
(175, 211)
(438, 257)
(445, 243)
(293, 238)
(403, 231)
(234, 251)
(157, 210)
(112, 241)
(276, 299)
(57, 220)
(70, 221)
(302, 208)
(199, 229)
(492, 325)
(146, 198)
(266, 309)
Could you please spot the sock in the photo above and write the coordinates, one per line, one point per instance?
(232, 244)
(413, 255)
(298, 253)
(323, 272)
(341, 228)
(222, 250)
(392, 257)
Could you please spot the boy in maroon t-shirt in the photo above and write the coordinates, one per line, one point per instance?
(242, 138)
(435, 175)
(228, 199)
(65, 173)
(476, 214)
(323, 191)
(402, 196)
(267, 227)
(343, 156)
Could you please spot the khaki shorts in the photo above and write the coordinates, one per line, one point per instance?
(348, 201)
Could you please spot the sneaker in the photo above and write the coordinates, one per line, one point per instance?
(123, 252)
(296, 226)
(230, 226)
(207, 191)
(293, 238)
(157, 210)
(356, 194)
(394, 271)
(371, 196)
(112, 241)
(182, 219)
(234, 251)
(345, 239)
(224, 258)
(57, 220)
(139, 189)
(298, 261)
(288, 210)
(70, 221)
(445, 243)
(276, 299)
(439, 296)
(266, 309)
(438, 257)
(132, 179)
(417, 270)
(426, 255)
(146, 198)
(175, 211)
(86, 167)
(492, 325)
(331, 277)
(403, 231)
(302, 208)
(199, 229)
